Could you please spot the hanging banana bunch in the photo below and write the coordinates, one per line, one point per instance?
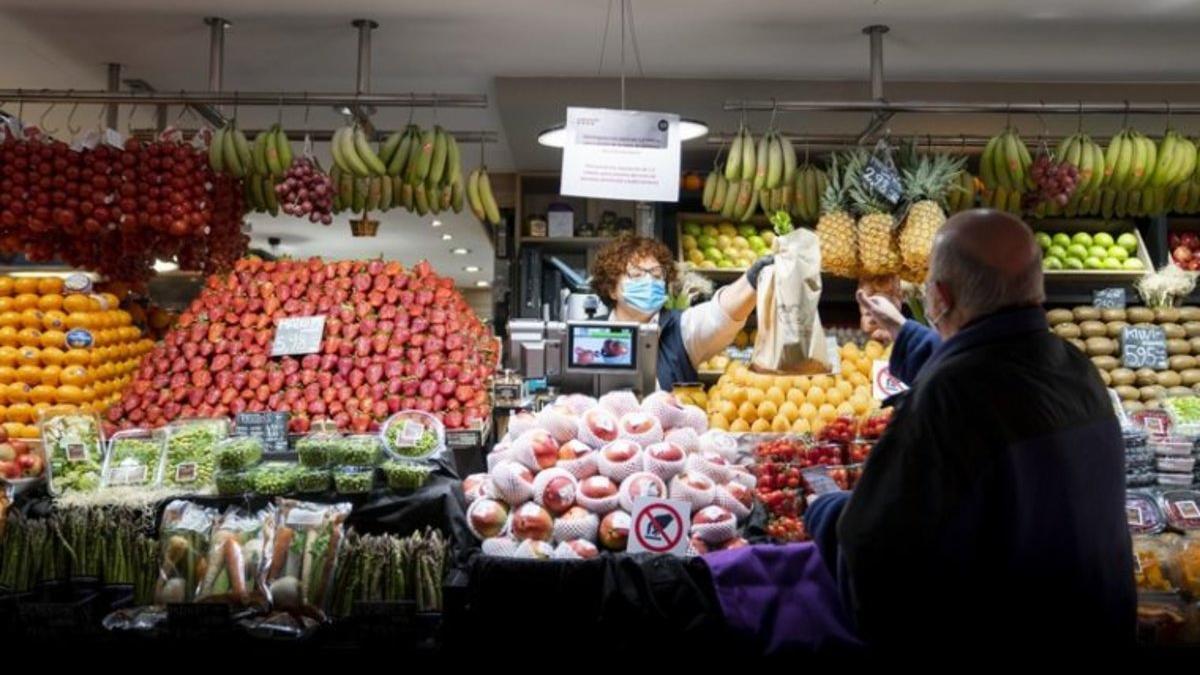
(809, 188)
(1004, 170)
(962, 192)
(414, 169)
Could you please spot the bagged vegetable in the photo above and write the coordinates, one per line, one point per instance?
(74, 451)
(189, 453)
(238, 453)
(133, 458)
(237, 558)
(184, 537)
(303, 561)
(790, 338)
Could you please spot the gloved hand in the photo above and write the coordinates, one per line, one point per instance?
(756, 268)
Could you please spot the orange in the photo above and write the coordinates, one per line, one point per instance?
(29, 374)
(9, 336)
(17, 392)
(99, 320)
(29, 337)
(42, 393)
(30, 431)
(8, 375)
(52, 356)
(13, 429)
(6, 304)
(20, 412)
(25, 285)
(69, 393)
(25, 301)
(74, 374)
(79, 320)
(89, 394)
(8, 356)
(101, 355)
(10, 319)
(54, 320)
(53, 338)
(111, 300)
(124, 318)
(31, 318)
(29, 356)
(77, 357)
(78, 303)
(49, 285)
(40, 409)
(50, 302)
(6, 285)
(50, 375)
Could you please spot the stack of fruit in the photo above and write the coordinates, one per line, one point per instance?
(738, 351)
(562, 483)
(1097, 332)
(1086, 251)
(19, 460)
(61, 350)
(743, 400)
(1185, 250)
(757, 175)
(724, 246)
(394, 339)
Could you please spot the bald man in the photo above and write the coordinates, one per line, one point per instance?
(991, 513)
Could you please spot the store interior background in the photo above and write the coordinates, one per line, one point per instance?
(532, 58)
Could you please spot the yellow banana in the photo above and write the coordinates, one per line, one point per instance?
(1150, 152)
(789, 160)
(749, 156)
(749, 212)
(710, 186)
(473, 196)
(774, 162)
(1162, 168)
(987, 171)
(488, 198)
(719, 194)
(733, 163)
(762, 160)
(1121, 172)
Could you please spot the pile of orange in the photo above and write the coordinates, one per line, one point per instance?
(38, 369)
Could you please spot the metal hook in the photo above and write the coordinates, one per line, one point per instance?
(235, 106)
(774, 110)
(1079, 127)
(42, 120)
(1126, 123)
(1008, 115)
(1168, 102)
(279, 112)
(306, 109)
(20, 106)
(132, 113)
(71, 128)
(1045, 127)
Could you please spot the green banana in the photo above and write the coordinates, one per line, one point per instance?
(346, 188)
(215, 160)
(456, 197)
(1166, 160)
(788, 197)
(1003, 160)
(710, 186)
(1121, 173)
(749, 167)
(733, 164)
(453, 161)
(731, 197)
(437, 163)
(233, 162)
(275, 167)
(751, 207)
(764, 200)
(283, 145)
(335, 149)
(761, 161)
(400, 155)
(349, 147)
(260, 154)
(473, 196)
(386, 197)
(374, 194)
(242, 147)
(1149, 160)
(446, 194)
(387, 149)
(269, 196)
(256, 193)
(408, 197)
(789, 160)
(419, 169)
(987, 170)
(488, 198)
(362, 146)
(720, 193)
(362, 190)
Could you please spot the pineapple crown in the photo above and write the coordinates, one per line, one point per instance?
(833, 198)
(930, 178)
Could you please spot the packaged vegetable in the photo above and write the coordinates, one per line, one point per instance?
(132, 459)
(1184, 411)
(237, 453)
(1153, 422)
(1172, 446)
(313, 480)
(188, 453)
(1187, 564)
(1176, 480)
(74, 451)
(1182, 508)
(232, 483)
(237, 558)
(1152, 559)
(1162, 619)
(354, 479)
(412, 434)
(357, 451)
(184, 537)
(274, 478)
(1142, 514)
(405, 475)
(316, 449)
(303, 562)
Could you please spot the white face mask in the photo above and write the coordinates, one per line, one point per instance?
(933, 320)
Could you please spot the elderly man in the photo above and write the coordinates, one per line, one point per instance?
(991, 513)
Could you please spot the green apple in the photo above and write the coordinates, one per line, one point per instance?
(1073, 264)
(710, 230)
(740, 243)
(1044, 240)
(747, 230)
(725, 264)
(1129, 242)
(1132, 264)
(688, 242)
(1074, 250)
(692, 228)
(1093, 263)
(1052, 263)
(708, 265)
(725, 242)
(1056, 251)
(1082, 238)
(695, 256)
(1098, 252)
(706, 241)
(1061, 239)
(1117, 252)
(713, 254)
(768, 236)
(756, 242)
(1112, 264)
(1103, 239)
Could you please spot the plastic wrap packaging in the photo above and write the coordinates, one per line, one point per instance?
(1173, 480)
(354, 480)
(614, 530)
(412, 434)
(1187, 564)
(721, 442)
(578, 403)
(1172, 446)
(653, 459)
(513, 482)
(237, 453)
(1142, 513)
(499, 547)
(532, 549)
(132, 459)
(237, 558)
(233, 483)
(597, 427)
(711, 465)
(1162, 620)
(405, 476)
(684, 437)
(577, 549)
(576, 525)
(74, 451)
(498, 455)
(641, 484)
(1153, 562)
(477, 485)
(357, 450)
(1184, 465)
(624, 467)
(604, 495)
(790, 338)
(279, 626)
(184, 536)
(315, 450)
(303, 559)
(727, 497)
(188, 459)
(620, 402)
(1182, 509)
(581, 467)
(695, 489)
(488, 518)
(313, 480)
(722, 528)
(273, 479)
(555, 490)
(640, 427)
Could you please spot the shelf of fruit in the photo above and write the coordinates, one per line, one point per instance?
(722, 247)
(1095, 250)
(394, 339)
(39, 370)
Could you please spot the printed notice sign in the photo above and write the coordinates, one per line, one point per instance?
(621, 154)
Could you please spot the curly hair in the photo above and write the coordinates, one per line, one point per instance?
(613, 260)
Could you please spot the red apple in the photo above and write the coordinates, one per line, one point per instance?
(531, 521)
(580, 548)
(614, 531)
(575, 513)
(641, 484)
(696, 481)
(598, 425)
(742, 494)
(598, 487)
(542, 445)
(712, 514)
(558, 494)
(637, 423)
(573, 449)
(665, 452)
(620, 451)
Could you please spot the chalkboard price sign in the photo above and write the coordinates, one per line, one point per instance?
(1109, 298)
(883, 180)
(271, 427)
(298, 335)
(1144, 347)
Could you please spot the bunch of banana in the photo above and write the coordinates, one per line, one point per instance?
(481, 198)
(1086, 155)
(1130, 165)
(229, 152)
(418, 170)
(1185, 197)
(810, 184)
(1004, 170)
(960, 196)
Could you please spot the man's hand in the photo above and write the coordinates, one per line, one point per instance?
(879, 311)
(756, 268)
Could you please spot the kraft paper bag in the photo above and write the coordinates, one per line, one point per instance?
(790, 338)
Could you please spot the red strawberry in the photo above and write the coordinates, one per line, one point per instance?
(292, 380)
(275, 380)
(308, 376)
(325, 379)
(374, 373)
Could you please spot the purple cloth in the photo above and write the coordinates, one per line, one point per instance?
(781, 597)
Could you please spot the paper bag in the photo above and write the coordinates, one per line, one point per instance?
(790, 338)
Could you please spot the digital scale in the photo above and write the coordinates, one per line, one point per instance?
(585, 356)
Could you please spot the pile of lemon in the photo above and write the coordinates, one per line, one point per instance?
(743, 400)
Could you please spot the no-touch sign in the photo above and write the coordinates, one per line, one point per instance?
(659, 526)
(883, 383)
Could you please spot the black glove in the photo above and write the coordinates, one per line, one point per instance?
(756, 268)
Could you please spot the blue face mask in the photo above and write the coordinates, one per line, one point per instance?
(646, 294)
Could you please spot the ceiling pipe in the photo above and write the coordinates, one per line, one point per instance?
(251, 98)
(216, 51)
(880, 118)
(962, 107)
(114, 85)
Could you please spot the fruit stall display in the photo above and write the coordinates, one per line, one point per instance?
(394, 339)
(561, 484)
(1166, 545)
(722, 245)
(45, 357)
(1117, 247)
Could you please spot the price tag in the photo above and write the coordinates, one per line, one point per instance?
(1188, 509)
(298, 335)
(1144, 347)
(1133, 516)
(78, 283)
(76, 452)
(126, 475)
(410, 433)
(270, 427)
(79, 338)
(818, 480)
(303, 518)
(1109, 298)
(883, 180)
(185, 473)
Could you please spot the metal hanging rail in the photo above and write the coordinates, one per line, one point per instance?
(324, 135)
(960, 107)
(820, 142)
(243, 98)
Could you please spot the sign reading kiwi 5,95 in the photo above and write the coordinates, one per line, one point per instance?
(1144, 347)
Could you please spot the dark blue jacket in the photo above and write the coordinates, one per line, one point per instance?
(913, 347)
(991, 513)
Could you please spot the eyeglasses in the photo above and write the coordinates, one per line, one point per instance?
(635, 272)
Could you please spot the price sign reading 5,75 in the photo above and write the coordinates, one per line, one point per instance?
(1144, 347)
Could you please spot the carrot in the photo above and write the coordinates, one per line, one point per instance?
(280, 554)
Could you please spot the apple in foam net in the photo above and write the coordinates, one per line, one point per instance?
(582, 548)
(531, 521)
(619, 451)
(575, 513)
(543, 445)
(598, 487)
(573, 449)
(665, 452)
(741, 493)
(614, 531)
(559, 494)
(600, 424)
(637, 423)
(712, 514)
(696, 481)
(488, 517)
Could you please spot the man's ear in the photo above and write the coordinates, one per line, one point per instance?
(945, 296)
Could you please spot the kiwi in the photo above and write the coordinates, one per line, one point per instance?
(1166, 315)
(1079, 344)
(1146, 376)
(1192, 328)
(1169, 378)
(1190, 377)
(1128, 393)
(1069, 331)
(1196, 388)
(1143, 324)
(1100, 346)
(1106, 378)
(1195, 343)
(1189, 313)
(1178, 346)
(1174, 331)
(1179, 391)
(1112, 315)
(1132, 406)
(1123, 376)
(1152, 392)
(1086, 313)
(1139, 315)
(1153, 404)
(1105, 363)
(1057, 316)
(1114, 328)
(1181, 363)
(1094, 329)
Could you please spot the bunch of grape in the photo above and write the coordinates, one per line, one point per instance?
(1054, 182)
(306, 191)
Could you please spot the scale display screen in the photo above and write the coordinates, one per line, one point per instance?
(602, 347)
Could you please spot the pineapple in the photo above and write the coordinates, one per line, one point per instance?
(878, 254)
(925, 187)
(835, 228)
